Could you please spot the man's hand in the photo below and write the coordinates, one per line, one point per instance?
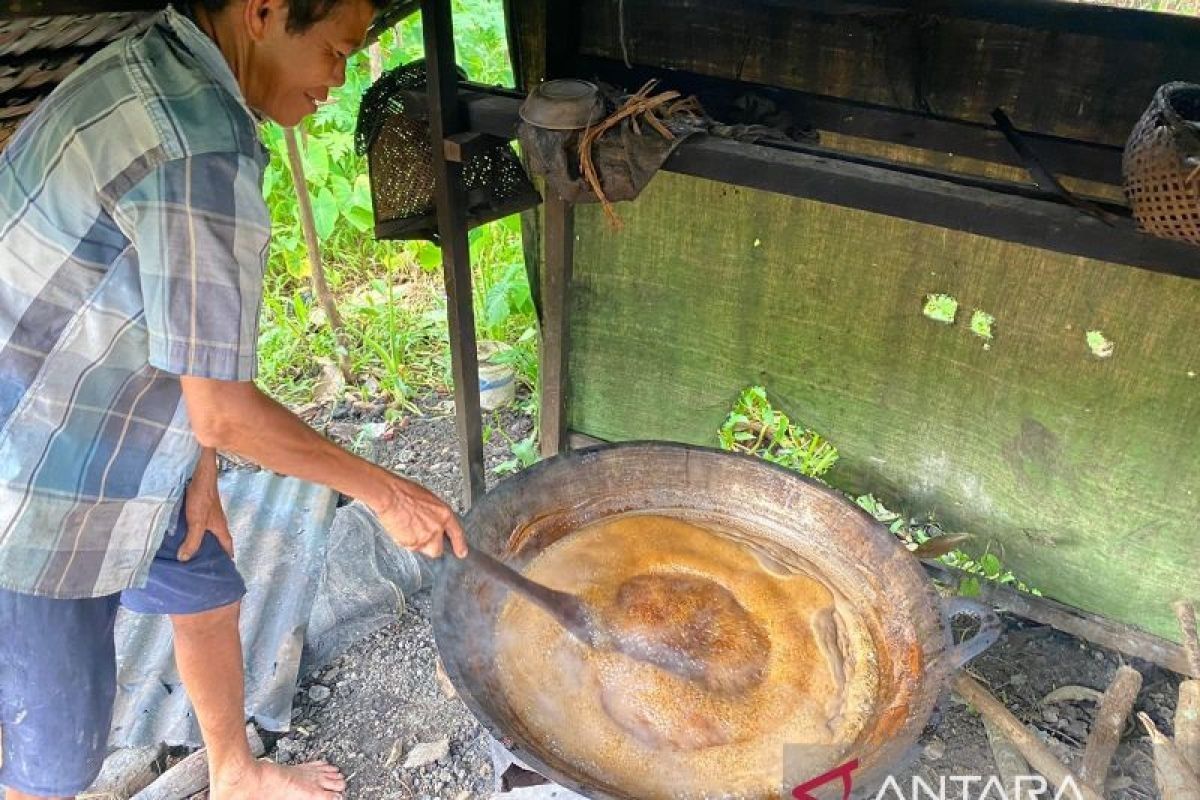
(237, 417)
(417, 520)
(202, 508)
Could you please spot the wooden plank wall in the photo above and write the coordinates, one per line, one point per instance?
(1082, 472)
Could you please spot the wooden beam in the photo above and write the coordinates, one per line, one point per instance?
(996, 209)
(557, 266)
(1124, 639)
(49, 8)
(1085, 160)
(445, 120)
(1051, 15)
(944, 201)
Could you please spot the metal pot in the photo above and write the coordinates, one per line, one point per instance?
(777, 512)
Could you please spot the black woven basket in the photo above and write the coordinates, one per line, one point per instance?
(393, 132)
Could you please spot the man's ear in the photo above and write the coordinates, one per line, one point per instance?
(260, 16)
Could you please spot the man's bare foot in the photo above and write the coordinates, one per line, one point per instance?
(266, 780)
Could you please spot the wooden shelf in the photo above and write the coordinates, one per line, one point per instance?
(1006, 211)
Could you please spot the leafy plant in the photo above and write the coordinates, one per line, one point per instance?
(755, 427)
(525, 454)
(388, 293)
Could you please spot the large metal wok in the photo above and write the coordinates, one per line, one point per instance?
(776, 512)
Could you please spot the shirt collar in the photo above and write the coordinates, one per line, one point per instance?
(208, 54)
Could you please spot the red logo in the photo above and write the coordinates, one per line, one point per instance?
(844, 772)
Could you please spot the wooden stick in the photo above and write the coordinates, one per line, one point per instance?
(1185, 612)
(190, 775)
(1105, 735)
(1036, 753)
(1187, 711)
(320, 287)
(125, 773)
(1009, 762)
(1187, 724)
(1176, 780)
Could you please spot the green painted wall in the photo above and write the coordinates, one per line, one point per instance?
(1082, 472)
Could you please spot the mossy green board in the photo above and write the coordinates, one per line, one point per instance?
(1075, 457)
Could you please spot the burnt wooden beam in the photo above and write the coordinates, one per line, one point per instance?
(1093, 162)
(559, 239)
(446, 120)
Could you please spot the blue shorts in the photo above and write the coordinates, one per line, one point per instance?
(58, 665)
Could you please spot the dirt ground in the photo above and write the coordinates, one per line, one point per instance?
(380, 700)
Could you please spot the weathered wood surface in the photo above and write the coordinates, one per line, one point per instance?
(1090, 82)
(1082, 472)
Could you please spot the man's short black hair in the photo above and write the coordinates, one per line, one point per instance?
(302, 14)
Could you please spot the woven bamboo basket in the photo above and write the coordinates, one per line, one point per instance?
(1162, 164)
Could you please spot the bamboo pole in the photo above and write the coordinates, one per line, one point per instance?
(317, 271)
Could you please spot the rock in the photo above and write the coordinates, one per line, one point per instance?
(935, 749)
(318, 693)
(1050, 715)
(374, 430)
(443, 680)
(427, 753)
(1019, 679)
(288, 745)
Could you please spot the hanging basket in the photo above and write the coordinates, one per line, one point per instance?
(1162, 164)
(393, 133)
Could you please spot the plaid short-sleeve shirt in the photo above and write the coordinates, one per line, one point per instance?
(133, 238)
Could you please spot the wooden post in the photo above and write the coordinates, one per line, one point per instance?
(444, 121)
(316, 268)
(556, 281)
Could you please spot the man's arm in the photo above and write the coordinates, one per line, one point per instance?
(237, 417)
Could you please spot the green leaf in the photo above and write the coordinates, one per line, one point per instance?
(361, 218)
(325, 213)
(429, 257)
(969, 587)
(316, 162)
(342, 190)
(990, 564)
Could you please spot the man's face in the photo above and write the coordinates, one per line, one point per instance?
(289, 73)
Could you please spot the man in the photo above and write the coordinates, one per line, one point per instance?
(133, 238)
